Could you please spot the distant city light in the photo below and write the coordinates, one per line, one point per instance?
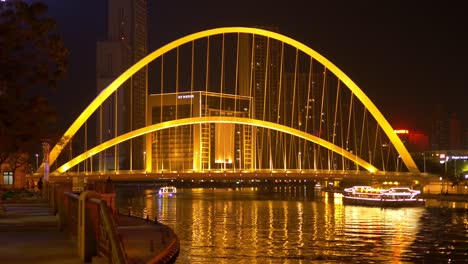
(185, 96)
(401, 131)
(459, 157)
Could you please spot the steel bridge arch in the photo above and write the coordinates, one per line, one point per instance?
(215, 119)
(386, 127)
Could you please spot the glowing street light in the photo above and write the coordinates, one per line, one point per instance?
(424, 160)
(37, 161)
(299, 160)
(144, 160)
(398, 163)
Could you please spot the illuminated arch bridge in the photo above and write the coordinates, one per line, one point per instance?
(233, 98)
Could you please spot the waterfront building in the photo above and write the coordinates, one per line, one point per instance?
(414, 140)
(198, 147)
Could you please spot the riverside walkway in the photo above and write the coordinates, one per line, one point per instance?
(30, 232)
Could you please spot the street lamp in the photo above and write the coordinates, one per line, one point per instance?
(240, 159)
(299, 160)
(37, 161)
(441, 184)
(398, 163)
(424, 158)
(144, 160)
(443, 160)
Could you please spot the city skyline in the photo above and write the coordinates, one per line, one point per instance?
(405, 58)
(236, 131)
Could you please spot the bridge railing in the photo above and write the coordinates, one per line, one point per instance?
(273, 172)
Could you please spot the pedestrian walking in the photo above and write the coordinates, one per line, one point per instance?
(109, 188)
(39, 186)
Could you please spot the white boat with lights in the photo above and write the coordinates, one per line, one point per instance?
(167, 191)
(392, 197)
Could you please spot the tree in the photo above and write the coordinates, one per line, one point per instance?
(33, 59)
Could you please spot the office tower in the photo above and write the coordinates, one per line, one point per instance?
(455, 133)
(259, 72)
(439, 129)
(125, 44)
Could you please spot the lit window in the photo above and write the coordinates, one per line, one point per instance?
(7, 178)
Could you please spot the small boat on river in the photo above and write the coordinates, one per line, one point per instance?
(167, 191)
(392, 197)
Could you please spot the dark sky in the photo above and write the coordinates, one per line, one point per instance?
(407, 56)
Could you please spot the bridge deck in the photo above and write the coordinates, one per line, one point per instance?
(245, 175)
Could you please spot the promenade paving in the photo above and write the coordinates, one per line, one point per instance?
(29, 233)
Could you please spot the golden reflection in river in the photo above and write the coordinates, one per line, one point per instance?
(149, 204)
(254, 225)
(270, 223)
(202, 217)
(225, 213)
(284, 225)
(167, 207)
(391, 229)
(227, 221)
(447, 204)
(300, 235)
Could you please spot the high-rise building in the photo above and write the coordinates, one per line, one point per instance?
(125, 44)
(259, 74)
(446, 133)
(455, 133)
(439, 130)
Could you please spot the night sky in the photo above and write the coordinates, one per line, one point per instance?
(407, 56)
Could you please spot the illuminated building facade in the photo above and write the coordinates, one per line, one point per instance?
(418, 141)
(198, 147)
(415, 141)
(126, 44)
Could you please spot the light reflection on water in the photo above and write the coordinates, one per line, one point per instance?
(293, 225)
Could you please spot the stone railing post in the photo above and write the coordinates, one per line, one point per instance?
(84, 238)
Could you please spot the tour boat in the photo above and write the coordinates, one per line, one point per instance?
(167, 191)
(392, 197)
(318, 187)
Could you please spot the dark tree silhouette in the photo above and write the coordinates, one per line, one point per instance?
(33, 59)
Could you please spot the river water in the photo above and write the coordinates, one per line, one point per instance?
(298, 225)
